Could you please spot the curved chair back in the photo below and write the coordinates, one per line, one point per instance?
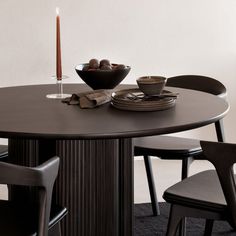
(198, 82)
(42, 176)
(203, 84)
(223, 157)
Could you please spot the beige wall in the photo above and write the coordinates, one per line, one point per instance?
(161, 37)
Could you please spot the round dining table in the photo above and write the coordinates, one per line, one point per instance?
(95, 180)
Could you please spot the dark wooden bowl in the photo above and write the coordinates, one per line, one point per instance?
(102, 79)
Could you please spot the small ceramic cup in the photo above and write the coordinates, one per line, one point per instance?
(151, 85)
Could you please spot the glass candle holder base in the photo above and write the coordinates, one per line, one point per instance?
(60, 94)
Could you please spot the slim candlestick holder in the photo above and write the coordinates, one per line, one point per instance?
(59, 94)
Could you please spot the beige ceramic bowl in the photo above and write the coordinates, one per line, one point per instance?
(151, 85)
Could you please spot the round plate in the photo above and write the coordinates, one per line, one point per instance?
(135, 100)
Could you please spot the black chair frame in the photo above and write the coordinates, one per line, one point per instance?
(42, 177)
(223, 157)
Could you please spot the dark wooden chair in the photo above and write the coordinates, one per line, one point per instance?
(24, 218)
(209, 194)
(169, 147)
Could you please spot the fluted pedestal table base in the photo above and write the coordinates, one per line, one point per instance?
(95, 182)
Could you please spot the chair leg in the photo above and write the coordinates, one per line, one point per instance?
(151, 185)
(182, 227)
(220, 131)
(55, 230)
(208, 227)
(186, 162)
(174, 220)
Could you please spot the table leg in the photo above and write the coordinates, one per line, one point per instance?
(95, 182)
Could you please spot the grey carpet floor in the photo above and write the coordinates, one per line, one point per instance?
(147, 225)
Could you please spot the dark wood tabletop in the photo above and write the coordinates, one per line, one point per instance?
(26, 112)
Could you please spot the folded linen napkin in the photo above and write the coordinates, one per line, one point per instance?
(89, 99)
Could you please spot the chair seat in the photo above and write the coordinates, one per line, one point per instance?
(166, 147)
(194, 192)
(19, 219)
(3, 151)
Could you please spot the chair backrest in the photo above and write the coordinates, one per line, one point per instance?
(42, 176)
(223, 157)
(198, 82)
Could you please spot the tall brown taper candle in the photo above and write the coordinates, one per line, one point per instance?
(58, 42)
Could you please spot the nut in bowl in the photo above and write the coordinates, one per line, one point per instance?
(151, 85)
(102, 74)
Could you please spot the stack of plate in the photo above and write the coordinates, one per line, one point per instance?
(135, 100)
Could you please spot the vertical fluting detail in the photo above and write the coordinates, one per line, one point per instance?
(95, 182)
(22, 152)
(89, 181)
(126, 187)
